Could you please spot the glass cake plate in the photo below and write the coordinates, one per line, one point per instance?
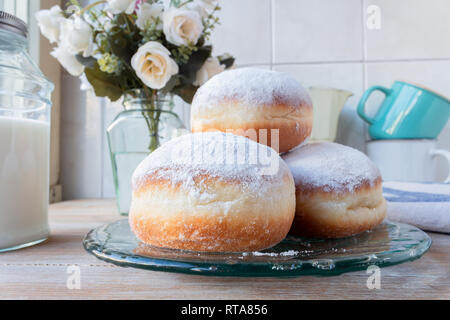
(388, 244)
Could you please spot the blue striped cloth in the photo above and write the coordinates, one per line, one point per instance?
(425, 205)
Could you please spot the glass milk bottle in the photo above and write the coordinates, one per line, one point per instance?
(24, 140)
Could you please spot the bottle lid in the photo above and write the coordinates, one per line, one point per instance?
(13, 24)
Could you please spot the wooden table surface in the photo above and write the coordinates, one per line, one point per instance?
(42, 271)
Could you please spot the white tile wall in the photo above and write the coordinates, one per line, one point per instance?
(316, 31)
(320, 42)
(245, 31)
(410, 29)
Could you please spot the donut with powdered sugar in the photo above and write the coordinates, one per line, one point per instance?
(253, 102)
(338, 191)
(214, 192)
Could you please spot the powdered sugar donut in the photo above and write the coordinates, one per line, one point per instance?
(212, 192)
(253, 102)
(338, 191)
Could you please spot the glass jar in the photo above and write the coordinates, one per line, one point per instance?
(24, 140)
(145, 124)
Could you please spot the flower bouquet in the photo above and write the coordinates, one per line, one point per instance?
(154, 45)
(143, 51)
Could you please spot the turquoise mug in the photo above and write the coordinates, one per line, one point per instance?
(408, 111)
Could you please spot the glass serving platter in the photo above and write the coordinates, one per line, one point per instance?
(388, 244)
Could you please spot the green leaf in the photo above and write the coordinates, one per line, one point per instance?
(124, 39)
(171, 84)
(177, 85)
(227, 62)
(88, 62)
(196, 61)
(105, 85)
(121, 47)
(186, 92)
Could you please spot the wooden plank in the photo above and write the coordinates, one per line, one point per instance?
(40, 272)
(108, 282)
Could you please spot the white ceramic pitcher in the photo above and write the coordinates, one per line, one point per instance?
(327, 106)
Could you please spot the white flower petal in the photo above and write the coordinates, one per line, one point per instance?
(68, 61)
(182, 26)
(148, 11)
(210, 68)
(76, 36)
(119, 6)
(153, 65)
(49, 22)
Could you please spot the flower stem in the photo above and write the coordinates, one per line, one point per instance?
(89, 7)
(151, 116)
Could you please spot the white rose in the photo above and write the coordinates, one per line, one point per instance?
(197, 7)
(153, 65)
(68, 61)
(204, 7)
(147, 11)
(182, 26)
(207, 4)
(76, 36)
(119, 6)
(49, 22)
(210, 68)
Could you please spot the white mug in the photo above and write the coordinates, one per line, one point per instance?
(407, 160)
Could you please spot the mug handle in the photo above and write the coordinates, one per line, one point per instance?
(446, 155)
(362, 102)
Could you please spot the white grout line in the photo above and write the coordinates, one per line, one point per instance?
(364, 44)
(254, 65)
(272, 33)
(356, 61)
(364, 30)
(365, 126)
(316, 62)
(407, 60)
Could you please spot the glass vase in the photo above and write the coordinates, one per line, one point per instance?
(145, 123)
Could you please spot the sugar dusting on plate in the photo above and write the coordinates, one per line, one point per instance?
(271, 254)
